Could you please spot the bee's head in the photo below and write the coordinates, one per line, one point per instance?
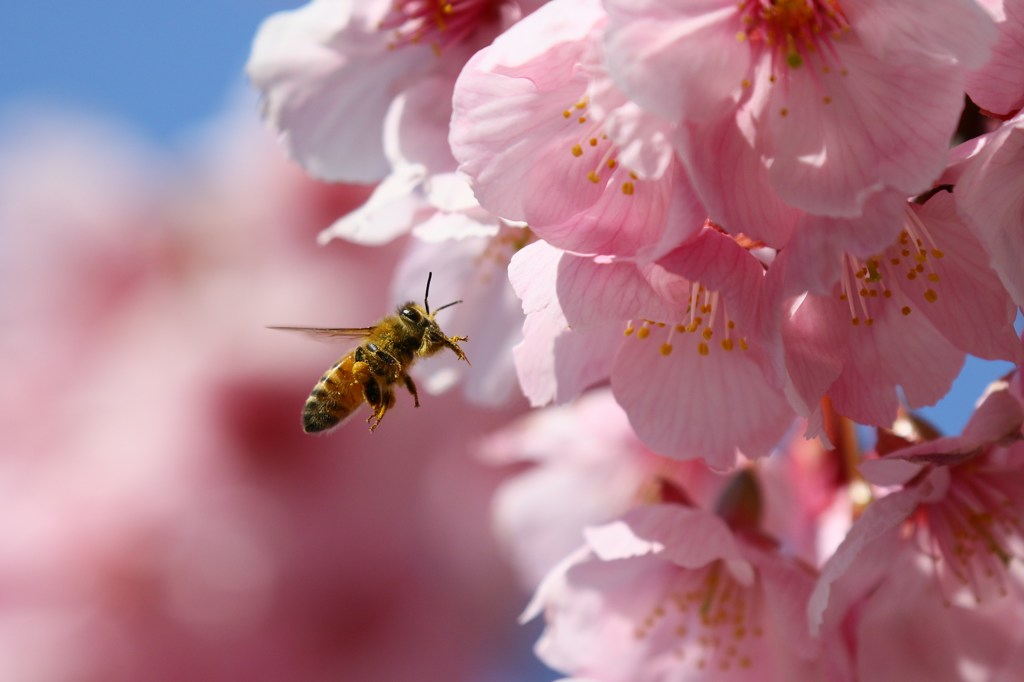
(422, 321)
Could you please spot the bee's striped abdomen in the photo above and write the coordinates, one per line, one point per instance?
(334, 398)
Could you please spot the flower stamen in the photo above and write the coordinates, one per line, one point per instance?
(439, 23)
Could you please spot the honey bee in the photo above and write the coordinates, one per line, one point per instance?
(371, 371)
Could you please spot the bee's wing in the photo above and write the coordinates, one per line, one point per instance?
(330, 332)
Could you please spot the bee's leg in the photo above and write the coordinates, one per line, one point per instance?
(371, 391)
(412, 389)
(387, 401)
(452, 342)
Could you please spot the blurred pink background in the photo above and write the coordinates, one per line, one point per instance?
(163, 515)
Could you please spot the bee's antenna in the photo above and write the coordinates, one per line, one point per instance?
(447, 305)
(426, 294)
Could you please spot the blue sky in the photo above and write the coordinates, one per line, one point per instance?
(164, 67)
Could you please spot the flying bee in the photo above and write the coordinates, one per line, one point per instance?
(371, 371)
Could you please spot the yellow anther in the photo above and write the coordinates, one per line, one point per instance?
(627, 188)
(577, 150)
(665, 349)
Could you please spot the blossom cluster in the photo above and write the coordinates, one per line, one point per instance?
(714, 235)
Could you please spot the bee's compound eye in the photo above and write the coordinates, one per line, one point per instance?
(411, 314)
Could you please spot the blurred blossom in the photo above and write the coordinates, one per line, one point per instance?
(165, 516)
(945, 543)
(668, 592)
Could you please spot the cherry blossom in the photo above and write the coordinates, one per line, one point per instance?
(330, 70)
(693, 383)
(667, 592)
(903, 317)
(547, 139)
(947, 543)
(585, 452)
(839, 100)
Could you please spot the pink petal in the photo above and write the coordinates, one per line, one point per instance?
(722, 265)
(998, 417)
(880, 518)
(814, 350)
(554, 362)
(732, 181)
(686, 537)
(507, 111)
(961, 643)
(998, 86)
(416, 128)
(593, 612)
(688, 405)
(593, 292)
(395, 206)
(528, 127)
(973, 309)
(787, 589)
(677, 58)
(889, 472)
(962, 31)
(327, 83)
(990, 196)
(839, 137)
(897, 350)
(533, 272)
